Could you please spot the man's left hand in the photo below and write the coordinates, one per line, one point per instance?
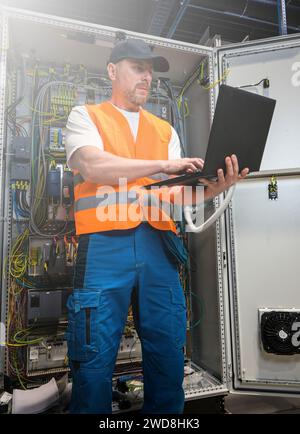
(214, 188)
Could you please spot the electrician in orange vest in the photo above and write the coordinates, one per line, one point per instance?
(122, 257)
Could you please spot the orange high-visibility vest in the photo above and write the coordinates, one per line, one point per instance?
(103, 208)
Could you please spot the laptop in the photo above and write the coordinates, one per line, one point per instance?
(240, 126)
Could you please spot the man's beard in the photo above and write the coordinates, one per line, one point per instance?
(138, 100)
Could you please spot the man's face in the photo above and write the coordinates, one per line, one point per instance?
(132, 80)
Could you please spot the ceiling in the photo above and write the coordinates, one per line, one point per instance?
(196, 21)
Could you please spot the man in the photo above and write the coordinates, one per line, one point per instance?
(124, 260)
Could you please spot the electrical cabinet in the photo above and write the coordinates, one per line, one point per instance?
(242, 283)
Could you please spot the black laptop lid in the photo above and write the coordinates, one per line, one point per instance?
(240, 126)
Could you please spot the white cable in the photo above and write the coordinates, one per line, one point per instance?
(188, 214)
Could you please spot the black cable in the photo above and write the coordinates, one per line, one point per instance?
(265, 81)
(175, 111)
(190, 80)
(23, 201)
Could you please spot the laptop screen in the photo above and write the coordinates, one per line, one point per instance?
(240, 126)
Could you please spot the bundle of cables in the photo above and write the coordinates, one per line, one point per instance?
(19, 198)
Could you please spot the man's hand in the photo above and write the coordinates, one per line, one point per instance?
(182, 165)
(214, 188)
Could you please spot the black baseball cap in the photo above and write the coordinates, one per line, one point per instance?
(137, 49)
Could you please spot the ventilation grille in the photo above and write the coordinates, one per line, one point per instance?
(280, 331)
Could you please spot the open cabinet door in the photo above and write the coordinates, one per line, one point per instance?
(261, 227)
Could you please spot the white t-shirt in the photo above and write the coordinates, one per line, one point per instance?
(81, 131)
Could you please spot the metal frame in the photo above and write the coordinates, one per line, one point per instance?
(262, 45)
(219, 241)
(239, 16)
(7, 230)
(222, 295)
(281, 9)
(160, 17)
(222, 262)
(105, 31)
(3, 215)
(184, 5)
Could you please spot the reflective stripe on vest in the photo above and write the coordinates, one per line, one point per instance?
(105, 200)
(173, 211)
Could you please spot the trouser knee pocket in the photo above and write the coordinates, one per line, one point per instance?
(82, 332)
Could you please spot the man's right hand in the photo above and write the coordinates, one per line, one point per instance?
(182, 166)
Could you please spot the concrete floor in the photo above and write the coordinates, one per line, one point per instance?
(244, 404)
(252, 404)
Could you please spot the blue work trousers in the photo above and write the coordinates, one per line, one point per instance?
(113, 270)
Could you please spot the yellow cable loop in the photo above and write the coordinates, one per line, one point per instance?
(37, 111)
(54, 119)
(211, 86)
(8, 344)
(20, 341)
(200, 77)
(187, 110)
(18, 260)
(18, 374)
